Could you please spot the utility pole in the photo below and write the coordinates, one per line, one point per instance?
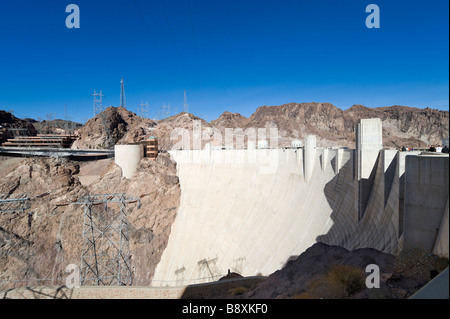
(122, 94)
(185, 104)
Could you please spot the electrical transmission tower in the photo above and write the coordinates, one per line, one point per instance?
(105, 255)
(143, 109)
(98, 104)
(164, 112)
(50, 117)
(185, 104)
(16, 204)
(122, 94)
(68, 124)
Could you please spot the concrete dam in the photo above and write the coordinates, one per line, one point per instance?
(251, 211)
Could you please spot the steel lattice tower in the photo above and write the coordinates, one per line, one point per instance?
(143, 109)
(98, 104)
(16, 204)
(105, 255)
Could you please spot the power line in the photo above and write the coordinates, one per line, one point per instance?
(185, 104)
(122, 94)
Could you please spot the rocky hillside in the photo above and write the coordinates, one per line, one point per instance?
(54, 126)
(402, 126)
(178, 132)
(9, 125)
(126, 127)
(332, 272)
(228, 119)
(117, 123)
(41, 244)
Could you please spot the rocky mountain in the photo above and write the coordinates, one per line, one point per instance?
(115, 125)
(181, 130)
(124, 127)
(402, 126)
(228, 119)
(11, 126)
(56, 126)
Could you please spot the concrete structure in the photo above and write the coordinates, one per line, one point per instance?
(369, 142)
(309, 154)
(445, 142)
(252, 210)
(191, 291)
(426, 202)
(262, 144)
(296, 144)
(128, 158)
(435, 289)
(53, 152)
(151, 147)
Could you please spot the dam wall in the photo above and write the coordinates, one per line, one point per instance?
(251, 211)
(426, 203)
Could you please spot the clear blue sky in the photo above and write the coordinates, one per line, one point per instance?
(228, 55)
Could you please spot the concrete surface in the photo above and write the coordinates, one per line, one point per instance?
(435, 289)
(128, 158)
(252, 210)
(116, 292)
(239, 215)
(426, 200)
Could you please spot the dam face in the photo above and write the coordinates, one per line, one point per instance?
(251, 211)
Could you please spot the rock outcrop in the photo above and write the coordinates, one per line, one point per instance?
(43, 240)
(402, 126)
(11, 126)
(115, 125)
